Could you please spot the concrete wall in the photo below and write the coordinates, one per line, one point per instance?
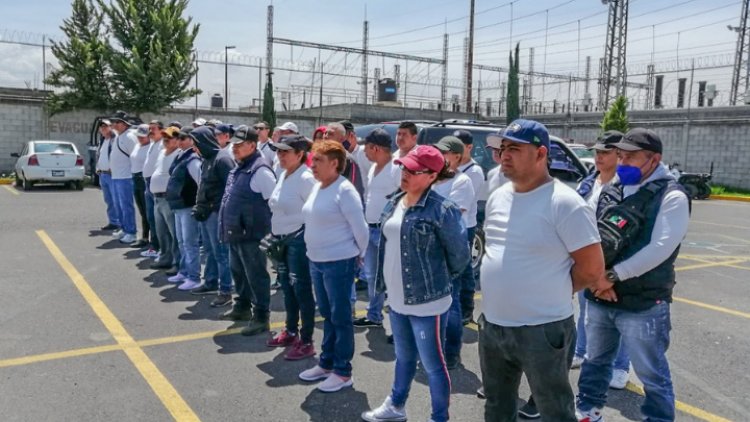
(693, 138)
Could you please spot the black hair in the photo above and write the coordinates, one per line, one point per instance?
(410, 126)
(445, 174)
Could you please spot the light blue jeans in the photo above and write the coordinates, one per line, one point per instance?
(113, 214)
(122, 192)
(376, 300)
(622, 362)
(217, 271)
(187, 240)
(646, 336)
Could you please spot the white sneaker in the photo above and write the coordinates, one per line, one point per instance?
(577, 362)
(150, 253)
(316, 373)
(593, 415)
(128, 238)
(335, 383)
(387, 412)
(188, 284)
(118, 233)
(177, 278)
(619, 379)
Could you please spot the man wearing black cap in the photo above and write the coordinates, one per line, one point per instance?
(383, 179)
(122, 178)
(245, 219)
(635, 304)
(215, 170)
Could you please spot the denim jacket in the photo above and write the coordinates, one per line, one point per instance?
(433, 247)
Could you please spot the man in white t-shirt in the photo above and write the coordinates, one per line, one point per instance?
(263, 129)
(137, 162)
(542, 245)
(383, 178)
(122, 178)
(155, 127)
(105, 174)
(354, 148)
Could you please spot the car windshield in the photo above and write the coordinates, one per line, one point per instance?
(583, 152)
(480, 153)
(54, 148)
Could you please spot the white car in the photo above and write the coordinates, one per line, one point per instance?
(585, 154)
(49, 162)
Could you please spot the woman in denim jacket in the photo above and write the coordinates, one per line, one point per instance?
(418, 256)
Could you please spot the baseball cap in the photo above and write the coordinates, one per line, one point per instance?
(214, 122)
(244, 133)
(171, 131)
(465, 136)
(379, 137)
(184, 132)
(120, 116)
(224, 128)
(105, 122)
(522, 131)
(607, 140)
(158, 123)
(423, 157)
(199, 121)
(290, 142)
(289, 126)
(142, 131)
(348, 126)
(450, 144)
(640, 139)
(176, 124)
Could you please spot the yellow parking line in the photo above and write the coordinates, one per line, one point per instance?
(25, 360)
(11, 190)
(175, 404)
(712, 307)
(720, 225)
(707, 264)
(727, 263)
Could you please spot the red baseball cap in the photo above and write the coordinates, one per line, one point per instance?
(423, 157)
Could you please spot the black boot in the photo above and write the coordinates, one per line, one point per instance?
(258, 324)
(238, 314)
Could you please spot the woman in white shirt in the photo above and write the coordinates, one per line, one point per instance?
(336, 235)
(292, 190)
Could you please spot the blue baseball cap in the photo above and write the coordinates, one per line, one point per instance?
(523, 131)
(224, 128)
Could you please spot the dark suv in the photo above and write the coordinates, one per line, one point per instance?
(390, 127)
(565, 164)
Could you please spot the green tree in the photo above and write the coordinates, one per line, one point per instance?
(82, 72)
(616, 118)
(269, 112)
(151, 53)
(513, 109)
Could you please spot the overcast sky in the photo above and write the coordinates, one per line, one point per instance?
(670, 29)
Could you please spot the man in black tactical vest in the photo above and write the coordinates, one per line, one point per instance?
(244, 219)
(642, 220)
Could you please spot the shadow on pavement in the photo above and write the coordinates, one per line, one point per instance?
(241, 344)
(377, 345)
(285, 372)
(626, 402)
(345, 405)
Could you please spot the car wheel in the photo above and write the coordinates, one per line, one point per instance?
(78, 185)
(691, 190)
(18, 183)
(477, 250)
(27, 185)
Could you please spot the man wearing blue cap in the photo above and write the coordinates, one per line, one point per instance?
(542, 245)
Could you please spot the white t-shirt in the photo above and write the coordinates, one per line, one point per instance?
(153, 154)
(361, 159)
(160, 178)
(529, 236)
(495, 179)
(397, 153)
(378, 187)
(102, 163)
(476, 174)
(459, 190)
(335, 226)
(263, 182)
(287, 200)
(119, 159)
(138, 157)
(392, 275)
(266, 151)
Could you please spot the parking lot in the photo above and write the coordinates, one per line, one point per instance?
(88, 332)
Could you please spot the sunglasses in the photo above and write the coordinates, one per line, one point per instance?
(259, 128)
(414, 173)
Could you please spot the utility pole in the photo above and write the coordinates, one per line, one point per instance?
(470, 57)
(586, 86)
(741, 58)
(530, 79)
(365, 36)
(444, 81)
(650, 71)
(269, 41)
(613, 70)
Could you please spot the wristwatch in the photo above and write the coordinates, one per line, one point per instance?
(612, 276)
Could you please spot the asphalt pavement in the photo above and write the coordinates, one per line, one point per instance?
(88, 332)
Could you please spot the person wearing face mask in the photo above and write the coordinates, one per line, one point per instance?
(631, 301)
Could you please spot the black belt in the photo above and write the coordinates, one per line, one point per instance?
(139, 174)
(374, 225)
(104, 172)
(159, 194)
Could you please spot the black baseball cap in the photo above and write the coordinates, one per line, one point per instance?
(120, 116)
(379, 137)
(607, 140)
(465, 136)
(348, 126)
(292, 142)
(640, 139)
(244, 133)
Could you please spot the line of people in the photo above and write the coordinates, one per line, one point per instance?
(331, 210)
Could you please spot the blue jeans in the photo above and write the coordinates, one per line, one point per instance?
(151, 215)
(421, 338)
(113, 212)
(217, 256)
(122, 192)
(622, 362)
(375, 306)
(646, 336)
(187, 241)
(294, 276)
(333, 289)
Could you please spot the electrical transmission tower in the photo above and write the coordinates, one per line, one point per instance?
(741, 59)
(612, 72)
